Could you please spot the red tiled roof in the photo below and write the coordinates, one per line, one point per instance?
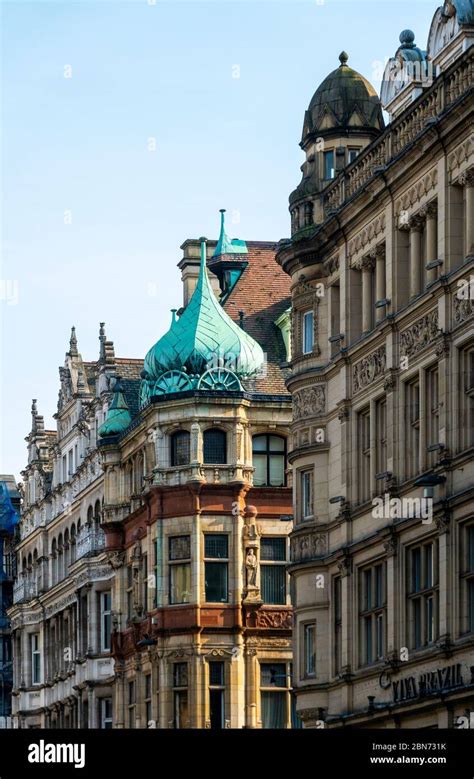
(263, 293)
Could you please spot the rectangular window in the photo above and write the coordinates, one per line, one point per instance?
(307, 494)
(273, 570)
(432, 415)
(422, 594)
(70, 467)
(144, 575)
(412, 417)
(468, 584)
(363, 431)
(274, 695)
(309, 648)
(148, 709)
(308, 332)
(466, 398)
(329, 164)
(216, 565)
(268, 456)
(372, 613)
(180, 695)
(129, 592)
(338, 623)
(105, 607)
(131, 704)
(35, 659)
(64, 468)
(180, 569)
(217, 695)
(352, 153)
(381, 433)
(105, 713)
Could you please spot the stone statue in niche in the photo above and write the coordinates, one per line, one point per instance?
(251, 566)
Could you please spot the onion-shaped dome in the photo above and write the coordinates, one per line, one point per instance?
(344, 101)
(162, 356)
(464, 10)
(207, 337)
(118, 414)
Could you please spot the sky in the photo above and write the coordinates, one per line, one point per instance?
(126, 126)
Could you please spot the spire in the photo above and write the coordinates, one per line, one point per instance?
(102, 338)
(118, 415)
(227, 246)
(73, 343)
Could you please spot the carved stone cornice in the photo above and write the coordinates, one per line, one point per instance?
(367, 370)
(420, 335)
(308, 546)
(309, 402)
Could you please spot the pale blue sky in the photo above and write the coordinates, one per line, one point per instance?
(138, 71)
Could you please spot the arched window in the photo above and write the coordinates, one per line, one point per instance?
(90, 515)
(60, 558)
(73, 543)
(54, 562)
(269, 460)
(180, 448)
(215, 446)
(67, 558)
(97, 515)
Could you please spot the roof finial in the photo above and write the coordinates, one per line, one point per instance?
(407, 39)
(343, 57)
(73, 343)
(102, 338)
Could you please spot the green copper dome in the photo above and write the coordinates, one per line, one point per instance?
(203, 349)
(208, 336)
(345, 100)
(118, 414)
(162, 356)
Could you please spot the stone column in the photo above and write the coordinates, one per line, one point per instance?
(393, 640)
(446, 621)
(347, 628)
(468, 181)
(432, 239)
(416, 226)
(367, 302)
(163, 695)
(380, 292)
(251, 687)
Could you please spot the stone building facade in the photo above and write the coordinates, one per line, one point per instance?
(152, 588)
(381, 264)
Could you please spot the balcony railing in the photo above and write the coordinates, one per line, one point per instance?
(24, 590)
(89, 541)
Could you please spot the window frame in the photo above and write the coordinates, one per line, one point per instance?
(307, 331)
(268, 453)
(174, 564)
(266, 564)
(224, 561)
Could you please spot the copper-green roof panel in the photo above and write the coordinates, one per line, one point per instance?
(118, 415)
(207, 336)
(227, 246)
(162, 356)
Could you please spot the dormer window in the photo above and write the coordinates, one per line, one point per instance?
(352, 153)
(329, 170)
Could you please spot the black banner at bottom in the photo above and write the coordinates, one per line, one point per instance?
(373, 752)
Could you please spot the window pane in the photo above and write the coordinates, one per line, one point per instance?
(273, 709)
(180, 548)
(471, 547)
(277, 470)
(416, 570)
(273, 548)
(379, 636)
(259, 443)
(277, 443)
(216, 545)
(180, 583)
(417, 622)
(378, 585)
(215, 447)
(260, 473)
(368, 640)
(471, 606)
(429, 620)
(429, 565)
(180, 675)
(180, 449)
(308, 330)
(273, 584)
(216, 582)
(309, 650)
(181, 713)
(273, 675)
(216, 674)
(328, 164)
(216, 705)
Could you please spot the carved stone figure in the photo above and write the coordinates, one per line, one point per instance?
(251, 566)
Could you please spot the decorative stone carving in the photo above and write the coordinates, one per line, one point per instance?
(417, 192)
(443, 346)
(332, 265)
(390, 381)
(367, 370)
(343, 414)
(345, 565)
(308, 546)
(463, 309)
(459, 157)
(309, 402)
(367, 236)
(420, 335)
(442, 522)
(262, 618)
